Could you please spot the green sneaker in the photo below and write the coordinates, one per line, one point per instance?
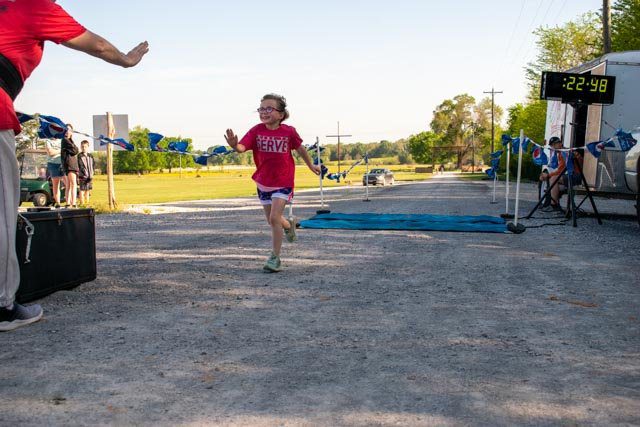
(290, 233)
(273, 264)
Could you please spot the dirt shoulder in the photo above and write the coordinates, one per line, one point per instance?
(361, 328)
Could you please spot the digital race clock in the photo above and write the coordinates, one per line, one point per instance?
(578, 88)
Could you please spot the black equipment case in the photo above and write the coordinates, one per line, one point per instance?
(60, 254)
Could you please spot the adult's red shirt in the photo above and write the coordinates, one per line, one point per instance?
(272, 154)
(24, 27)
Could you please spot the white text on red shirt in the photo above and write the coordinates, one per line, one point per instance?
(272, 144)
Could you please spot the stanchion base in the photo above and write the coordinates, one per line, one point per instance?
(516, 229)
(323, 211)
(366, 200)
(493, 203)
(507, 216)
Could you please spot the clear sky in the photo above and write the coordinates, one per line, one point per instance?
(378, 67)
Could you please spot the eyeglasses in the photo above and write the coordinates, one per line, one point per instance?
(268, 110)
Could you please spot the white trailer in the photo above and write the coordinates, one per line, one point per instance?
(605, 175)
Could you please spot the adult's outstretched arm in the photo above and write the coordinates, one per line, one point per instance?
(99, 47)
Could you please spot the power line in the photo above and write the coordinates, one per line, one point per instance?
(531, 27)
(560, 11)
(527, 55)
(502, 67)
(547, 12)
(515, 27)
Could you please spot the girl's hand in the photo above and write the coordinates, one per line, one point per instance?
(316, 169)
(232, 138)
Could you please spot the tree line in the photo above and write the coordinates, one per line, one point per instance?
(460, 129)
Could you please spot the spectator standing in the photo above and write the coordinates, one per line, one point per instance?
(86, 168)
(24, 27)
(69, 154)
(54, 168)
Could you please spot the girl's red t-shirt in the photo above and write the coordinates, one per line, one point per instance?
(24, 27)
(272, 154)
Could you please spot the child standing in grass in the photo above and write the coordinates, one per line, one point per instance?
(272, 143)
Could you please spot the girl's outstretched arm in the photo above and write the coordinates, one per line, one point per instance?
(307, 159)
(232, 140)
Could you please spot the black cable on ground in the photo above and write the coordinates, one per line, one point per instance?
(546, 224)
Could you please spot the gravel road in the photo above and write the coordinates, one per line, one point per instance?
(362, 328)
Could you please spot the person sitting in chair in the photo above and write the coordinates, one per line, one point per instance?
(552, 175)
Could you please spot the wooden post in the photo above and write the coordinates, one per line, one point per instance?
(111, 193)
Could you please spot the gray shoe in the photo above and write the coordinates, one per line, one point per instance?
(290, 233)
(273, 264)
(19, 315)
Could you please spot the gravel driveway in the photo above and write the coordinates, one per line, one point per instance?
(362, 328)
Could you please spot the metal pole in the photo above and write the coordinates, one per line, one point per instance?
(495, 179)
(506, 192)
(571, 207)
(320, 176)
(514, 227)
(338, 147)
(292, 222)
(515, 221)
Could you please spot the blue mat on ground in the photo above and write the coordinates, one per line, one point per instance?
(372, 221)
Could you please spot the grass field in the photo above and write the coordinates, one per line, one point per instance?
(216, 183)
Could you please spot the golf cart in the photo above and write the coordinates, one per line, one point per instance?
(35, 183)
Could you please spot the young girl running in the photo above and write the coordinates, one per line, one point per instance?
(272, 143)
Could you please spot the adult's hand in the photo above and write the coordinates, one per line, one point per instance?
(135, 55)
(99, 47)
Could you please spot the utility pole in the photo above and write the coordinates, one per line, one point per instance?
(493, 134)
(338, 136)
(606, 25)
(473, 149)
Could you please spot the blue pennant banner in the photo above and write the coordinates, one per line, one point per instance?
(120, 142)
(497, 154)
(154, 140)
(179, 146)
(539, 156)
(51, 127)
(23, 118)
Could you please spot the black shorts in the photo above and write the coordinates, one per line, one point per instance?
(85, 185)
(285, 193)
(576, 179)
